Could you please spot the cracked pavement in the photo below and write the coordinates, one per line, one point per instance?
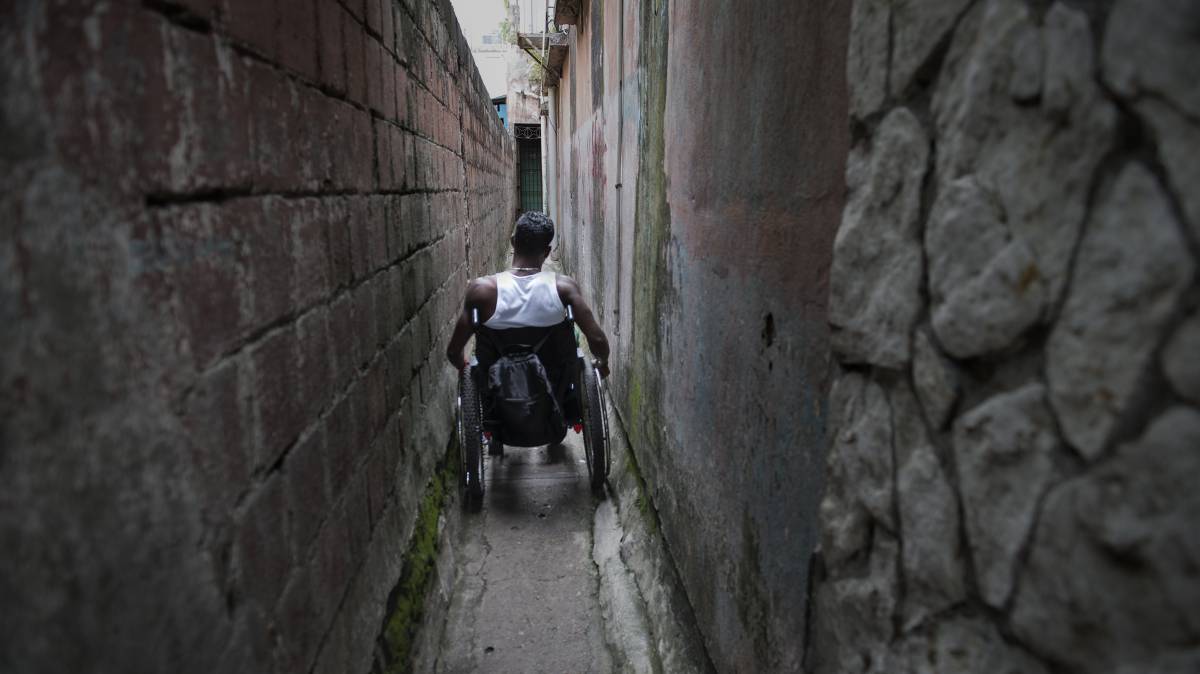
(525, 595)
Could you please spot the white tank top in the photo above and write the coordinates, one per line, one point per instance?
(526, 301)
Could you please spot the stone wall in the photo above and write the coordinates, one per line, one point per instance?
(234, 236)
(697, 153)
(1010, 480)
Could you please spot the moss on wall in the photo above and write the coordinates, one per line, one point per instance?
(406, 604)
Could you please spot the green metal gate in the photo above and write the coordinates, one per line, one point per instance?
(529, 149)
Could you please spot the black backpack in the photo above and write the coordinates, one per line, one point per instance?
(523, 400)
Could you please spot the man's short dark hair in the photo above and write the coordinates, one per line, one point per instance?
(535, 231)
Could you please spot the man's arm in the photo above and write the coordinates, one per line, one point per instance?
(476, 299)
(569, 293)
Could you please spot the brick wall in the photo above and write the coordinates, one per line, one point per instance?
(234, 237)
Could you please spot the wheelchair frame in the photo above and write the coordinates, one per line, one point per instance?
(475, 441)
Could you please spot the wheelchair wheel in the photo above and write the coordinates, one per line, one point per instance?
(595, 427)
(470, 438)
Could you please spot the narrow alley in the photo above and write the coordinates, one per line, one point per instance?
(899, 302)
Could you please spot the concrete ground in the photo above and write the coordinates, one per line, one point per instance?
(526, 590)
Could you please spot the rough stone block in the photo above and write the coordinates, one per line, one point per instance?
(984, 282)
(1005, 458)
(1111, 579)
(928, 506)
(1121, 297)
(857, 627)
(918, 28)
(935, 379)
(1036, 165)
(964, 644)
(859, 468)
(1181, 360)
(877, 261)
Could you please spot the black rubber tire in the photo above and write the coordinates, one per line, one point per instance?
(595, 443)
(470, 439)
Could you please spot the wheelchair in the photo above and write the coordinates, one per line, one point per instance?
(575, 383)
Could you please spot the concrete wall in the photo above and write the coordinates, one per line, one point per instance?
(234, 235)
(1011, 477)
(698, 156)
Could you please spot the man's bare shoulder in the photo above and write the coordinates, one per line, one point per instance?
(566, 284)
(481, 289)
(482, 282)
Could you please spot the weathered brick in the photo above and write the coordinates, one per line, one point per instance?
(204, 150)
(398, 372)
(298, 624)
(314, 383)
(298, 38)
(217, 420)
(357, 224)
(360, 412)
(403, 96)
(376, 398)
(202, 263)
(266, 251)
(374, 15)
(261, 553)
(307, 491)
(374, 74)
(363, 303)
(388, 83)
(277, 119)
(377, 478)
(342, 342)
(376, 231)
(339, 454)
(388, 30)
(280, 417)
(320, 135)
(254, 24)
(363, 176)
(356, 509)
(338, 234)
(332, 52)
(332, 567)
(312, 276)
(383, 154)
(356, 54)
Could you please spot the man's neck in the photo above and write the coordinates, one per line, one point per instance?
(526, 264)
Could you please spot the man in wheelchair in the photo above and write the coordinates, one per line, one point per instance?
(530, 378)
